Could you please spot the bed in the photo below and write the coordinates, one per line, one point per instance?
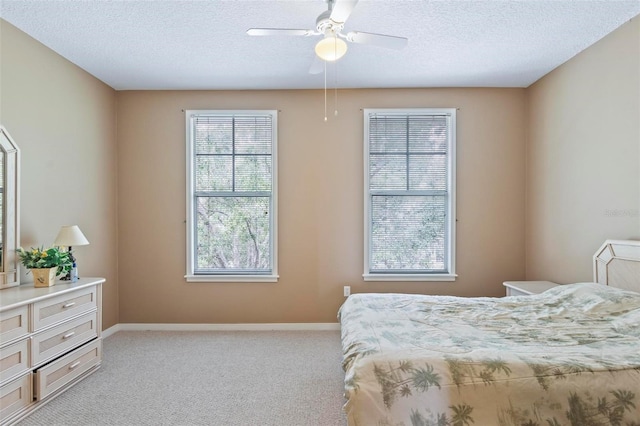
(568, 356)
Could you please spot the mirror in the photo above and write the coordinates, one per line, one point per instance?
(9, 162)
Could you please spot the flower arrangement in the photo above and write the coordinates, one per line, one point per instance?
(38, 258)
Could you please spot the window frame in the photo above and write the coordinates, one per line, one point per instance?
(449, 273)
(190, 275)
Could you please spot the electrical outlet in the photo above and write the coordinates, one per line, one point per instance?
(347, 291)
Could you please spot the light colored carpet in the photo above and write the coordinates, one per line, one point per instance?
(279, 378)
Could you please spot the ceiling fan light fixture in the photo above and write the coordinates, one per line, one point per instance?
(331, 48)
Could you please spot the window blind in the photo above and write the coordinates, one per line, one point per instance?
(232, 193)
(408, 192)
(232, 153)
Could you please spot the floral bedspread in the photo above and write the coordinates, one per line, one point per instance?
(568, 356)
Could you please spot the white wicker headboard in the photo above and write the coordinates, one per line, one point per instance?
(617, 264)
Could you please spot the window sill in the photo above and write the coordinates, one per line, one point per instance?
(409, 277)
(232, 278)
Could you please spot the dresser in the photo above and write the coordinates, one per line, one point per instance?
(50, 338)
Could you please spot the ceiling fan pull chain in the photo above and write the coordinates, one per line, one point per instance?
(325, 91)
(335, 101)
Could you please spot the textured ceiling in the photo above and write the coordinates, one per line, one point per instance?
(202, 44)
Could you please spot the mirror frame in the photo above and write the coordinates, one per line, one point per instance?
(10, 274)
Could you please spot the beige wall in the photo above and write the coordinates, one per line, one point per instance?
(63, 120)
(320, 203)
(583, 157)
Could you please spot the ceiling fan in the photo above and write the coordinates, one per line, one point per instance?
(330, 24)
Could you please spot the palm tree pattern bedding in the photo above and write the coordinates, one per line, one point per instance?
(568, 356)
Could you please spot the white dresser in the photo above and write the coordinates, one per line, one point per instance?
(50, 338)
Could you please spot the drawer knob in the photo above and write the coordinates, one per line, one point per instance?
(68, 305)
(66, 336)
(74, 365)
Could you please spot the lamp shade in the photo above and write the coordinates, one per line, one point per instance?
(331, 48)
(69, 236)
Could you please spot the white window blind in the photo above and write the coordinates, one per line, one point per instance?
(409, 194)
(231, 205)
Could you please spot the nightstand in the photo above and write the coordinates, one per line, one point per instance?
(525, 288)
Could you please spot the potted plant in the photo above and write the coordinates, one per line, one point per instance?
(45, 264)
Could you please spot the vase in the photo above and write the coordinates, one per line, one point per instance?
(44, 277)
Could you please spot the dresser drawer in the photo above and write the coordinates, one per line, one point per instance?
(15, 395)
(55, 341)
(14, 324)
(14, 359)
(56, 309)
(62, 371)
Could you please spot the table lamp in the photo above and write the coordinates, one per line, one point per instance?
(70, 236)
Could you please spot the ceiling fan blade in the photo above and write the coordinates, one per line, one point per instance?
(381, 40)
(279, 32)
(317, 66)
(342, 9)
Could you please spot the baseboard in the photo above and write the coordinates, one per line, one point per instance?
(313, 326)
(111, 330)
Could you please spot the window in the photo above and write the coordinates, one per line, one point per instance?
(409, 199)
(231, 195)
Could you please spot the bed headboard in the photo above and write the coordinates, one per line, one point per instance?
(617, 264)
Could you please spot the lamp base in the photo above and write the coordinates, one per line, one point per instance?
(72, 276)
